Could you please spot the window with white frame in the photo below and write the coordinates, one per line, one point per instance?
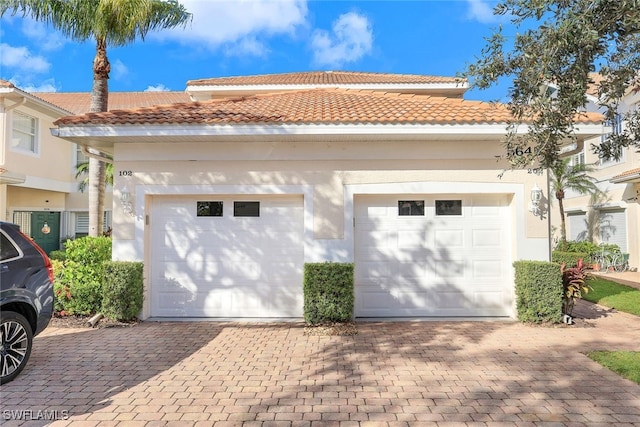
(577, 159)
(82, 223)
(25, 133)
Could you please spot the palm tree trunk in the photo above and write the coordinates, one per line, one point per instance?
(563, 225)
(99, 102)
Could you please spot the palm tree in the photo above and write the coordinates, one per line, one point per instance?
(108, 22)
(82, 170)
(565, 176)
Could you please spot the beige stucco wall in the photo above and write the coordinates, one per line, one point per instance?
(53, 162)
(49, 175)
(334, 168)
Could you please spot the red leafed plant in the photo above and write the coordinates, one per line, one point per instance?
(574, 283)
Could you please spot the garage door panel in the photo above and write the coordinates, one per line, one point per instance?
(432, 265)
(227, 266)
(486, 238)
(449, 239)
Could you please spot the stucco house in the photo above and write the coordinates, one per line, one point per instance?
(38, 185)
(226, 197)
(616, 217)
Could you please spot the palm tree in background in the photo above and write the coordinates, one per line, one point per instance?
(565, 176)
(82, 171)
(109, 23)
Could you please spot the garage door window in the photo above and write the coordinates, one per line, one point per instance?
(209, 208)
(448, 207)
(246, 209)
(411, 207)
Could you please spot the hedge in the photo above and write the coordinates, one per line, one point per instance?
(122, 290)
(570, 258)
(538, 291)
(328, 292)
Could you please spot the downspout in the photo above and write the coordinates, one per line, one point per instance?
(98, 156)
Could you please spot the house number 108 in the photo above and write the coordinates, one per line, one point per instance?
(126, 173)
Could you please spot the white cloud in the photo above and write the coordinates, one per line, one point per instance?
(45, 38)
(21, 59)
(157, 88)
(48, 85)
(351, 39)
(482, 11)
(237, 23)
(118, 70)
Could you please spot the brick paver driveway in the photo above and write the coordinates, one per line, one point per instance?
(392, 373)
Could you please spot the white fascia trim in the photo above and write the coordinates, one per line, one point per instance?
(283, 87)
(287, 129)
(575, 211)
(611, 205)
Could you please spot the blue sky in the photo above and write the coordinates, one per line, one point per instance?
(246, 37)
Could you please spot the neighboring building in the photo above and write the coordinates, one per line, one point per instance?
(38, 188)
(616, 218)
(225, 199)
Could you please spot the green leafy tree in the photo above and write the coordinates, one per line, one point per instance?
(561, 42)
(109, 23)
(565, 176)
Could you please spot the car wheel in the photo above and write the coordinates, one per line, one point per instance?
(17, 338)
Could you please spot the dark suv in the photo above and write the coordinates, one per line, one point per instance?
(26, 298)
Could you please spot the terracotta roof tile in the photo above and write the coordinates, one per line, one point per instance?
(317, 106)
(627, 173)
(7, 84)
(323, 77)
(79, 102)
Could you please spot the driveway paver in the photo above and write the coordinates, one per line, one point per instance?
(411, 373)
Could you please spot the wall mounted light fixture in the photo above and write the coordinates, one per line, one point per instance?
(125, 200)
(536, 197)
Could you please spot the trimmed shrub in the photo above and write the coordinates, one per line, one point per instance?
(122, 290)
(57, 255)
(569, 258)
(78, 287)
(328, 292)
(538, 291)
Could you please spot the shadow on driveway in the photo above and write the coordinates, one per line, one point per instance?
(390, 373)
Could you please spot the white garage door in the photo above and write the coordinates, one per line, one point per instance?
(227, 256)
(426, 255)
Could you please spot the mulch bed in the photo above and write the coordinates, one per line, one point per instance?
(82, 322)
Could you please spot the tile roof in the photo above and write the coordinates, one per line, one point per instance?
(324, 78)
(7, 84)
(628, 173)
(79, 102)
(316, 106)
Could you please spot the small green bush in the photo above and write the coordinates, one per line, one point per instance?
(78, 287)
(57, 255)
(538, 291)
(570, 258)
(328, 292)
(122, 290)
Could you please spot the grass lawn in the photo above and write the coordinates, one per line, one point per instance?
(622, 298)
(624, 363)
(614, 295)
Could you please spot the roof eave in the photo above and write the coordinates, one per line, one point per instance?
(626, 179)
